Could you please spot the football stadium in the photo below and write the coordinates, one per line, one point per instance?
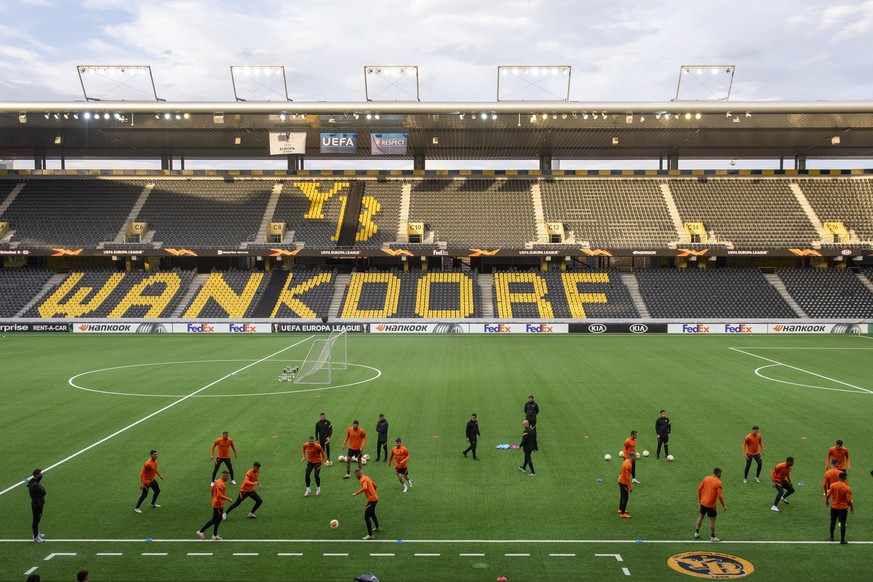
(145, 312)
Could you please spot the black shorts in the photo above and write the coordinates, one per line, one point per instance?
(355, 453)
(401, 470)
(664, 438)
(153, 484)
(310, 466)
(708, 511)
(220, 460)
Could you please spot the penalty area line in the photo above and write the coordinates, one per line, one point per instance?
(157, 412)
(697, 543)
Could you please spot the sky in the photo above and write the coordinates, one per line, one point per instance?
(783, 50)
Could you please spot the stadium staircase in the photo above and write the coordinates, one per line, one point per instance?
(629, 280)
(681, 236)
(342, 283)
(49, 286)
(810, 213)
(134, 212)
(10, 198)
(349, 227)
(539, 215)
(486, 285)
(405, 201)
(268, 213)
(190, 294)
(865, 281)
(271, 294)
(777, 284)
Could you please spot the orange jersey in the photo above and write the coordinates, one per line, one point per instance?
(313, 452)
(752, 444)
(149, 470)
(400, 454)
(841, 494)
(781, 472)
(625, 476)
(356, 438)
(709, 491)
(250, 481)
(630, 446)
(841, 455)
(368, 488)
(831, 476)
(219, 494)
(224, 446)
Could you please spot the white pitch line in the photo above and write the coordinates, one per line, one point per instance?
(427, 555)
(154, 553)
(52, 555)
(517, 555)
(29, 541)
(199, 553)
(110, 553)
(617, 557)
(153, 414)
(472, 555)
(563, 555)
(626, 571)
(760, 374)
(804, 371)
(382, 555)
(290, 554)
(335, 555)
(31, 571)
(245, 553)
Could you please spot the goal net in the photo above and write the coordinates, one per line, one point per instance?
(325, 356)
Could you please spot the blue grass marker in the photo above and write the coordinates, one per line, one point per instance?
(599, 480)
(149, 540)
(399, 541)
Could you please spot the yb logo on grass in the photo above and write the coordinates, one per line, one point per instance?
(710, 565)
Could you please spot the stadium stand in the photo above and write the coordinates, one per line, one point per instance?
(205, 213)
(849, 201)
(711, 293)
(80, 212)
(231, 294)
(573, 294)
(106, 293)
(828, 293)
(412, 294)
(304, 293)
(475, 212)
(610, 213)
(19, 286)
(750, 213)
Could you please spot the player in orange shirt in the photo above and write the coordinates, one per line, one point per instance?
(709, 491)
(400, 456)
(630, 445)
(753, 448)
(841, 454)
(219, 496)
(314, 456)
(356, 437)
(842, 500)
(147, 481)
(625, 483)
(831, 476)
(368, 488)
(224, 444)
(781, 477)
(247, 489)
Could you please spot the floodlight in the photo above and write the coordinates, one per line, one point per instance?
(391, 83)
(713, 87)
(835, 140)
(218, 118)
(117, 82)
(259, 83)
(237, 140)
(59, 140)
(615, 140)
(533, 83)
(22, 118)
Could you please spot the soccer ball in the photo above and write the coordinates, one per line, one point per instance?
(645, 453)
(334, 523)
(366, 457)
(363, 460)
(621, 454)
(670, 458)
(341, 458)
(607, 457)
(328, 463)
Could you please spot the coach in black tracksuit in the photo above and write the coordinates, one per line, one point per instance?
(528, 444)
(472, 435)
(323, 430)
(662, 429)
(37, 502)
(381, 438)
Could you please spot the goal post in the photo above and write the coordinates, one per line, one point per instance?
(325, 356)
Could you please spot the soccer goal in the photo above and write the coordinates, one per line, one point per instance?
(325, 356)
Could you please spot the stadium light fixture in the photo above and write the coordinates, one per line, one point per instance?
(533, 83)
(59, 140)
(22, 118)
(700, 87)
(391, 83)
(259, 83)
(117, 82)
(615, 140)
(237, 140)
(835, 140)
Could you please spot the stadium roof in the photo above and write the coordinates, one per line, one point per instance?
(443, 131)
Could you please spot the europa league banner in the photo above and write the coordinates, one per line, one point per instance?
(286, 142)
(384, 144)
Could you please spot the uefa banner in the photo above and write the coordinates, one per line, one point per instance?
(339, 143)
(635, 328)
(386, 144)
(287, 142)
(319, 327)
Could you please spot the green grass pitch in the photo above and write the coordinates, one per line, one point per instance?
(462, 520)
